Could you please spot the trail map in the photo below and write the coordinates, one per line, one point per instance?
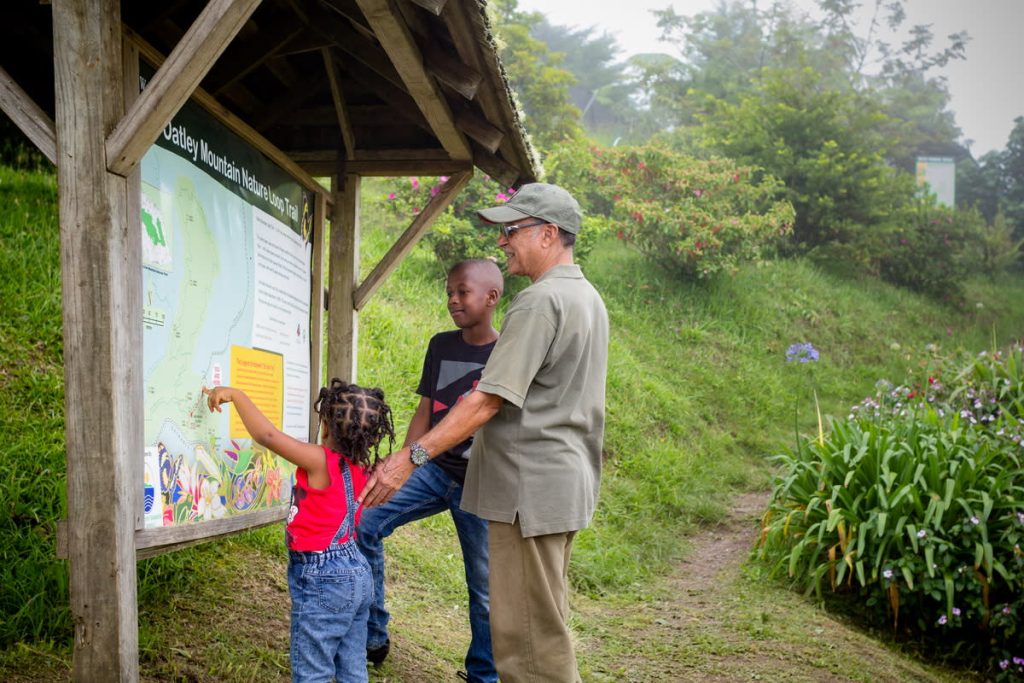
(226, 301)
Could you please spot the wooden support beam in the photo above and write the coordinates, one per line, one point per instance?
(432, 6)
(389, 168)
(133, 183)
(502, 171)
(175, 81)
(340, 107)
(287, 102)
(225, 116)
(316, 310)
(28, 116)
(465, 22)
(398, 42)
(450, 70)
(237, 63)
(160, 540)
(351, 12)
(101, 276)
(400, 102)
(282, 70)
(356, 45)
(308, 41)
(479, 129)
(342, 316)
(410, 237)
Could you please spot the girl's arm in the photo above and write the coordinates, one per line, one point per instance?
(309, 457)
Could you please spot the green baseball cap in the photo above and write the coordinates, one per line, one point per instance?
(538, 200)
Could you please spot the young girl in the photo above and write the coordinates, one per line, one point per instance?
(328, 578)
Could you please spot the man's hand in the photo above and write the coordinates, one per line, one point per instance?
(389, 476)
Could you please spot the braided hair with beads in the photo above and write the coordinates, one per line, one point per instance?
(357, 419)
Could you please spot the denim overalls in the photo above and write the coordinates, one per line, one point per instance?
(331, 594)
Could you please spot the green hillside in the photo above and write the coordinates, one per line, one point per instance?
(699, 395)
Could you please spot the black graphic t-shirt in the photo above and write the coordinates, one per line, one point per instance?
(451, 370)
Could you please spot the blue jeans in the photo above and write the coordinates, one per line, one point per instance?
(427, 492)
(331, 595)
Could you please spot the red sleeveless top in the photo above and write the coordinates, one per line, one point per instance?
(316, 514)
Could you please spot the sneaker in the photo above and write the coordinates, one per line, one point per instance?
(376, 655)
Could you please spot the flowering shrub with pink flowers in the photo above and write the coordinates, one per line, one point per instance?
(923, 246)
(458, 233)
(914, 505)
(695, 217)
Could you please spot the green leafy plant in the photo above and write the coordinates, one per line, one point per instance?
(694, 217)
(914, 504)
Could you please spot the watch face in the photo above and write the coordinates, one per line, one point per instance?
(418, 455)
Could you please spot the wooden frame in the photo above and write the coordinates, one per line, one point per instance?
(101, 129)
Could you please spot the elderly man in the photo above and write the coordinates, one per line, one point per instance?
(536, 459)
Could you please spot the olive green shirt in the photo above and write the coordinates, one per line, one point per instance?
(539, 457)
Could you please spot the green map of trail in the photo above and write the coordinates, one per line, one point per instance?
(214, 271)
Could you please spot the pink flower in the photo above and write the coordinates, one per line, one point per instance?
(434, 190)
(415, 210)
(391, 195)
(698, 193)
(415, 182)
(443, 179)
(501, 197)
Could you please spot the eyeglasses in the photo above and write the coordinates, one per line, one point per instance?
(507, 230)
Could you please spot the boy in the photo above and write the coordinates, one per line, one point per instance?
(451, 369)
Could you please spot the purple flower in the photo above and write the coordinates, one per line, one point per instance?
(922, 533)
(1004, 664)
(956, 611)
(803, 352)
(887, 573)
(975, 521)
(942, 620)
(1006, 609)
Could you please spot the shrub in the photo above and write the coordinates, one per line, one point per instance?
(694, 217)
(929, 248)
(457, 234)
(915, 506)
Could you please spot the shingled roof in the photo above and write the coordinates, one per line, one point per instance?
(372, 87)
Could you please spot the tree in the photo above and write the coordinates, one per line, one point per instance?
(1013, 177)
(724, 52)
(826, 145)
(536, 75)
(602, 92)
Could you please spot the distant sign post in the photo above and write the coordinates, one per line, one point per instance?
(938, 174)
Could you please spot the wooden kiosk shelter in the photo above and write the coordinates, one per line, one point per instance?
(323, 88)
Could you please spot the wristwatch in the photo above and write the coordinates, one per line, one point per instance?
(418, 454)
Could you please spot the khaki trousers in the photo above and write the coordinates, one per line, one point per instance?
(530, 606)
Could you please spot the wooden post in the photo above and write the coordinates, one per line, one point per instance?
(316, 305)
(102, 302)
(343, 321)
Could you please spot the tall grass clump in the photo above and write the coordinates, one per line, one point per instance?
(913, 506)
(33, 584)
